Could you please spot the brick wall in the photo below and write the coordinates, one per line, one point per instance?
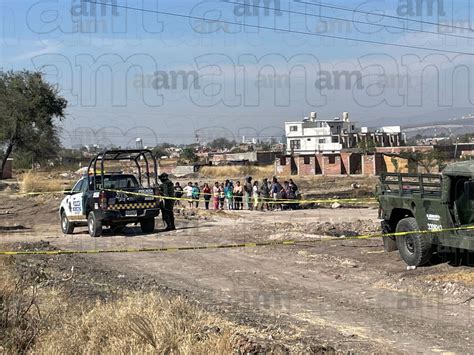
(345, 163)
(283, 165)
(368, 164)
(309, 167)
(318, 164)
(332, 164)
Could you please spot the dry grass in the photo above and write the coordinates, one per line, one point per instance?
(466, 277)
(35, 182)
(232, 171)
(138, 323)
(20, 318)
(44, 320)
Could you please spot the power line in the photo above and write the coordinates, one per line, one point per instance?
(347, 20)
(330, 6)
(279, 29)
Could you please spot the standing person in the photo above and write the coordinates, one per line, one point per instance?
(196, 194)
(178, 193)
(167, 190)
(284, 195)
(206, 191)
(238, 195)
(221, 196)
(188, 190)
(215, 195)
(248, 189)
(293, 186)
(276, 192)
(264, 194)
(229, 194)
(255, 193)
(291, 193)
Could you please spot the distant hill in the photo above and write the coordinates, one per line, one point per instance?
(442, 115)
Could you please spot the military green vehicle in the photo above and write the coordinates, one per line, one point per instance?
(441, 203)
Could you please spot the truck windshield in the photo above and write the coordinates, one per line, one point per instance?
(116, 182)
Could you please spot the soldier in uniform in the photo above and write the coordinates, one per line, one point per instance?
(167, 190)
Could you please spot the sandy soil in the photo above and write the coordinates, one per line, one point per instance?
(321, 296)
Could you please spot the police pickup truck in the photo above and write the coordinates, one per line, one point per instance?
(112, 199)
(441, 204)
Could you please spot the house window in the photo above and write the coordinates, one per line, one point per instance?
(335, 139)
(306, 160)
(322, 141)
(308, 139)
(295, 144)
(293, 128)
(332, 159)
(282, 161)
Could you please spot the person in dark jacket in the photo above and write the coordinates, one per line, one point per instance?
(264, 194)
(178, 193)
(167, 190)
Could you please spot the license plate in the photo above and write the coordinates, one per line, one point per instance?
(131, 213)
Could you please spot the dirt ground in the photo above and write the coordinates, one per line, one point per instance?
(320, 296)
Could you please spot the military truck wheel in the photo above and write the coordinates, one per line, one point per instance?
(415, 249)
(66, 226)
(147, 225)
(94, 225)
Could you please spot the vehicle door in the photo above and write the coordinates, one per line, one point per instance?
(76, 202)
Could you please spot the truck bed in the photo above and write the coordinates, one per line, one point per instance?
(406, 184)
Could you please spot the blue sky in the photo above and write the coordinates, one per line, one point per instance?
(127, 73)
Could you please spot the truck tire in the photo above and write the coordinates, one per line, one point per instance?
(94, 225)
(415, 249)
(66, 226)
(147, 225)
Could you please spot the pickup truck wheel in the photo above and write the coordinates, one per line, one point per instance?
(66, 226)
(147, 225)
(93, 225)
(415, 249)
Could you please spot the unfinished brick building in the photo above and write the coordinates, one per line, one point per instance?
(346, 162)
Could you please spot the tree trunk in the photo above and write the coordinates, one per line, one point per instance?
(5, 157)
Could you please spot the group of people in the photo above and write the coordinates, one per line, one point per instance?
(268, 195)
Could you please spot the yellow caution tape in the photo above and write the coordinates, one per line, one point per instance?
(268, 200)
(265, 200)
(228, 246)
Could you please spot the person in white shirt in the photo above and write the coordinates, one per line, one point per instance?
(188, 191)
(255, 192)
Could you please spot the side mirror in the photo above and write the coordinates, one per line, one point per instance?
(68, 192)
(469, 189)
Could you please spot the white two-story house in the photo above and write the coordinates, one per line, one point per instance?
(314, 135)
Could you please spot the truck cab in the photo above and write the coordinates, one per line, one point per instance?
(437, 206)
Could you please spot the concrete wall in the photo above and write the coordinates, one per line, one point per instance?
(176, 170)
(253, 157)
